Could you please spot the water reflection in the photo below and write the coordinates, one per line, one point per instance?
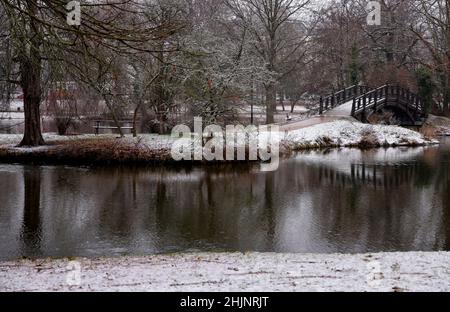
(31, 228)
(329, 201)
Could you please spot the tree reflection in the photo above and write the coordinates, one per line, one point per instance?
(342, 202)
(32, 226)
(269, 210)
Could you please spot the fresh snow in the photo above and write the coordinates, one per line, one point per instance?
(249, 271)
(346, 133)
(341, 133)
(236, 272)
(148, 141)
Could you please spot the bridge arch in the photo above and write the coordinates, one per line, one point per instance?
(401, 113)
(408, 107)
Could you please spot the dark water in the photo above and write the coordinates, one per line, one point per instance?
(320, 202)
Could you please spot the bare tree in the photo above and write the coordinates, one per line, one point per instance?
(269, 21)
(39, 32)
(433, 31)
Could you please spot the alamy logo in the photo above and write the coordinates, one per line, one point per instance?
(374, 275)
(73, 276)
(74, 13)
(236, 143)
(374, 13)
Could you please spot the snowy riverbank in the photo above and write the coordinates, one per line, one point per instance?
(415, 271)
(345, 133)
(104, 149)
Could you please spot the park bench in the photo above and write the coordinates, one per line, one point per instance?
(100, 125)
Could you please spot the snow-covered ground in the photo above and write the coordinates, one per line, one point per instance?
(340, 133)
(150, 141)
(415, 271)
(438, 121)
(12, 116)
(347, 133)
(236, 271)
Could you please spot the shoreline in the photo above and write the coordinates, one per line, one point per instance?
(52, 158)
(149, 149)
(235, 272)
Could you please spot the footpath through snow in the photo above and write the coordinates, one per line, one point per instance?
(387, 272)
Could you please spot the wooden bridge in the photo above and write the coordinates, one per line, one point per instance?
(361, 102)
(336, 99)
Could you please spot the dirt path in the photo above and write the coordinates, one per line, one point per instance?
(234, 272)
(296, 125)
(342, 112)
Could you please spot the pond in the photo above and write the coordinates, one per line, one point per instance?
(329, 201)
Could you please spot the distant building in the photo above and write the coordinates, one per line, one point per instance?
(16, 105)
(13, 105)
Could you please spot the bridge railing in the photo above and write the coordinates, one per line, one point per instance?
(411, 101)
(361, 102)
(337, 98)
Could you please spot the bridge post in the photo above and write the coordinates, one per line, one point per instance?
(408, 100)
(411, 99)
(375, 100)
(353, 107)
(398, 95)
(416, 113)
(363, 116)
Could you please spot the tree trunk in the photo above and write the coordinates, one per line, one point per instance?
(32, 135)
(111, 108)
(136, 111)
(270, 103)
(281, 95)
(30, 81)
(446, 98)
(31, 224)
(31, 86)
(252, 99)
(271, 92)
(293, 105)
